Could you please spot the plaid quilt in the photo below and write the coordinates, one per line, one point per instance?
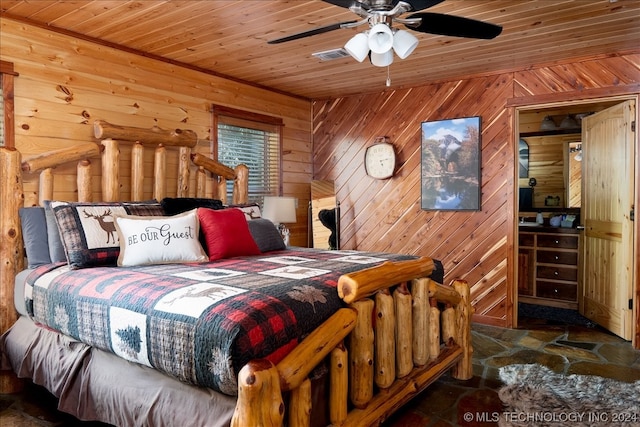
(197, 322)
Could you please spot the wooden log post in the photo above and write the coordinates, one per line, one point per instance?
(160, 173)
(45, 186)
(241, 185)
(137, 171)
(361, 355)
(463, 370)
(339, 385)
(110, 171)
(385, 342)
(201, 182)
(420, 316)
(183, 172)
(84, 180)
(404, 330)
(155, 135)
(259, 396)
(434, 329)
(221, 190)
(11, 247)
(449, 325)
(300, 405)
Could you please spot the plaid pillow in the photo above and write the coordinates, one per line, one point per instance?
(88, 232)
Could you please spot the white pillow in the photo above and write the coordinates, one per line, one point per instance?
(159, 239)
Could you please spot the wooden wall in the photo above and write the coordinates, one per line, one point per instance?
(64, 84)
(386, 215)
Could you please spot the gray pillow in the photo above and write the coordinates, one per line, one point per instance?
(34, 235)
(266, 235)
(56, 249)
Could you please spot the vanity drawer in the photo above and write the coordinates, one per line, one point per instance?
(557, 273)
(526, 239)
(557, 257)
(557, 241)
(562, 291)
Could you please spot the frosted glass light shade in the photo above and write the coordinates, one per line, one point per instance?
(380, 38)
(404, 43)
(358, 47)
(382, 59)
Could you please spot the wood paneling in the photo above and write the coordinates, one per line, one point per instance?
(230, 38)
(65, 84)
(386, 215)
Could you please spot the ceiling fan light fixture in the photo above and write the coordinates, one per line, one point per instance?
(404, 43)
(358, 47)
(382, 59)
(380, 38)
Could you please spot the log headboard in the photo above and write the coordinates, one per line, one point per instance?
(195, 175)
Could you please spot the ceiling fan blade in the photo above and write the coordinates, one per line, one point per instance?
(347, 3)
(313, 32)
(448, 25)
(419, 4)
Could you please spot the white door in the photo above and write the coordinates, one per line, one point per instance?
(608, 193)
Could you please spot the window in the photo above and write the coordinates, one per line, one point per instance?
(252, 139)
(6, 104)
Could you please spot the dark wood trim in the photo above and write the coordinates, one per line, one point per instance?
(551, 132)
(221, 110)
(575, 95)
(7, 68)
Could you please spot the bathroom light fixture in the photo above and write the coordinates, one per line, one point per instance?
(547, 124)
(569, 123)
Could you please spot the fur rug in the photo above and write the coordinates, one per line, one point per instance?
(535, 396)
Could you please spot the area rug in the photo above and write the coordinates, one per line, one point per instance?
(535, 396)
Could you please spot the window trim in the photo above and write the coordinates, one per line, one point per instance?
(220, 110)
(6, 77)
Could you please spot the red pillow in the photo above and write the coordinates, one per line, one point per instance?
(226, 233)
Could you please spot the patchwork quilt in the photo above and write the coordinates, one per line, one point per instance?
(197, 322)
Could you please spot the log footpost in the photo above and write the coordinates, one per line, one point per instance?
(260, 401)
(463, 370)
(11, 248)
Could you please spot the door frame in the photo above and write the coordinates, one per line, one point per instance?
(540, 102)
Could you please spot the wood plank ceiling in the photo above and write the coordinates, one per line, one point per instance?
(230, 38)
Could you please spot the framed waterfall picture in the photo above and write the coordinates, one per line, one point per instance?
(450, 175)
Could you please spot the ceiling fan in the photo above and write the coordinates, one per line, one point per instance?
(379, 42)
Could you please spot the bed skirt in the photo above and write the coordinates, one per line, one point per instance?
(93, 385)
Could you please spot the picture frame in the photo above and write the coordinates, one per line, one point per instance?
(450, 164)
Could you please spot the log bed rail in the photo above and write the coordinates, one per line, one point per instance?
(389, 344)
(399, 331)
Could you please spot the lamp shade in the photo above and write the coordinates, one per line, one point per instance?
(404, 43)
(382, 59)
(358, 47)
(279, 209)
(380, 38)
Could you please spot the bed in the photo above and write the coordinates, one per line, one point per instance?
(154, 330)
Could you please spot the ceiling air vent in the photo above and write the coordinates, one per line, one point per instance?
(328, 55)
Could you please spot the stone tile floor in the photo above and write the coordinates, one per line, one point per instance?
(562, 344)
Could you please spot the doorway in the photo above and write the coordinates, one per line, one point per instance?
(550, 260)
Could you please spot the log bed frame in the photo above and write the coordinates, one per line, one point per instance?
(399, 332)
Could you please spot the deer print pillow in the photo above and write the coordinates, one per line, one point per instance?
(88, 231)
